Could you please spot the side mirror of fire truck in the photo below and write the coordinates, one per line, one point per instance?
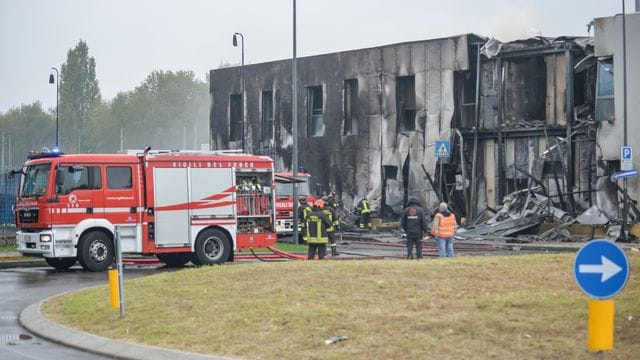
(59, 178)
(73, 169)
(59, 181)
(13, 173)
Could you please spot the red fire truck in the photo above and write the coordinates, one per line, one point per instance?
(181, 206)
(284, 199)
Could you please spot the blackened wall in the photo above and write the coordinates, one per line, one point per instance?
(352, 164)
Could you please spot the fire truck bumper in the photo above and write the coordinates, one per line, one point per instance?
(43, 243)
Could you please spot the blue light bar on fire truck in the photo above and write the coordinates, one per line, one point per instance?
(45, 153)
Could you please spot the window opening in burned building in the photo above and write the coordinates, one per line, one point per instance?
(406, 100)
(315, 113)
(465, 101)
(351, 107)
(525, 91)
(605, 110)
(235, 117)
(267, 116)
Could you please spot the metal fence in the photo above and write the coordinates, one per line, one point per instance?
(8, 190)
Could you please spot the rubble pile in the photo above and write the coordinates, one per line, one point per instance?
(524, 211)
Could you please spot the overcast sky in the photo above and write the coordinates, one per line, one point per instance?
(131, 38)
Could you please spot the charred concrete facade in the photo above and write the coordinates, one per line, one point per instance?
(526, 123)
(534, 127)
(368, 119)
(610, 112)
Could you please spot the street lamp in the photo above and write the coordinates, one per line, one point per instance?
(294, 126)
(235, 43)
(57, 82)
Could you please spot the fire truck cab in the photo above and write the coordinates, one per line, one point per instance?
(178, 205)
(284, 198)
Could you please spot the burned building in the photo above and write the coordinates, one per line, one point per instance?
(533, 127)
(368, 118)
(522, 118)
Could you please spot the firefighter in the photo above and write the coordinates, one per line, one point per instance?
(328, 210)
(335, 202)
(364, 210)
(303, 210)
(414, 224)
(316, 225)
(443, 228)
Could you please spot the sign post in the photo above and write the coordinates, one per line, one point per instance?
(601, 270)
(443, 150)
(120, 272)
(626, 165)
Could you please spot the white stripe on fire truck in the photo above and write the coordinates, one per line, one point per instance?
(95, 210)
(75, 210)
(212, 222)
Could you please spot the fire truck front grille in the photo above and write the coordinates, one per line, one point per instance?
(28, 215)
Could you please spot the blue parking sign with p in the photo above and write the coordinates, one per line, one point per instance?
(626, 153)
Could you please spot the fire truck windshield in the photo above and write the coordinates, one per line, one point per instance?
(287, 189)
(35, 180)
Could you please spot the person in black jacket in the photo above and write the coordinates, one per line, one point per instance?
(415, 226)
(316, 231)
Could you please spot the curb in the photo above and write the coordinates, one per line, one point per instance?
(34, 321)
(22, 264)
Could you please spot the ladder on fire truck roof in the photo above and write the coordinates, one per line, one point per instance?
(184, 152)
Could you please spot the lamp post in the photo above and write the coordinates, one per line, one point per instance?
(294, 126)
(625, 208)
(235, 43)
(57, 81)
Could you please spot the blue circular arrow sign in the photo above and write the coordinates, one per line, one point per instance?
(601, 269)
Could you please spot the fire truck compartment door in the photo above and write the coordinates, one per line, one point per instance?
(212, 192)
(172, 206)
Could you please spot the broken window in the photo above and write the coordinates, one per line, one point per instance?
(525, 90)
(466, 98)
(351, 109)
(315, 118)
(267, 116)
(406, 97)
(235, 117)
(390, 171)
(605, 110)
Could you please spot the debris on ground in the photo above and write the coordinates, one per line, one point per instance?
(334, 339)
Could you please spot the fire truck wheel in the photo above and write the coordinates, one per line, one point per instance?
(174, 260)
(60, 263)
(95, 251)
(212, 247)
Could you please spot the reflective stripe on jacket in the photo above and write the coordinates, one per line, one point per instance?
(316, 227)
(331, 216)
(446, 226)
(364, 206)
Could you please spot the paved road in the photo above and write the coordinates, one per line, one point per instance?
(21, 287)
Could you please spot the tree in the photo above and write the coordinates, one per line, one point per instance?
(79, 92)
(169, 110)
(29, 128)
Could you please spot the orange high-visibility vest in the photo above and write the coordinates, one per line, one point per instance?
(446, 225)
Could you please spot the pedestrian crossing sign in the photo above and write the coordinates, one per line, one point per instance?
(443, 148)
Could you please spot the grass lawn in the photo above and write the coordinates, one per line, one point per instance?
(504, 307)
(10, 248)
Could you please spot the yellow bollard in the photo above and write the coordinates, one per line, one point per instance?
(113, 288)
(600, 335)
